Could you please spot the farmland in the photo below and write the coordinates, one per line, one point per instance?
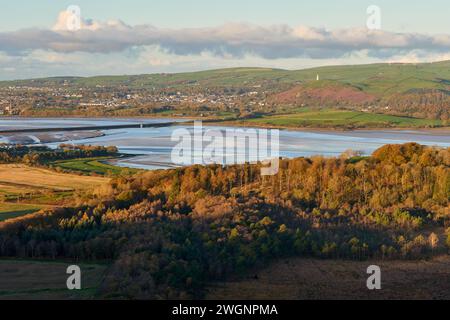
(293, 278)
(26, 279)
(25, 189)
(90, 166)
(339, 119)
(307, 279)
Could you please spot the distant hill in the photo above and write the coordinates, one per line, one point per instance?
(376, 79)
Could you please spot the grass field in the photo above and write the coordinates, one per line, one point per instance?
(308, 279)
(14, 210)
(340, 118)
(46, 280)
(32, 178)
(91, 165)
(25, 190)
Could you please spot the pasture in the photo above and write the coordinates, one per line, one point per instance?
(42, 280)
(341, 118)
(25, 189)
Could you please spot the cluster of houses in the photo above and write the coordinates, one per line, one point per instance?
(7, 109)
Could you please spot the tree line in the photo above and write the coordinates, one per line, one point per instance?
(38, 155)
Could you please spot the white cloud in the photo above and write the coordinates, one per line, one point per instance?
(113, 47)
(153, 59)
(66, 18)
(228, 40)
(419, 56)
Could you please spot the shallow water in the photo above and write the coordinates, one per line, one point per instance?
(153, 146)
(25, 123)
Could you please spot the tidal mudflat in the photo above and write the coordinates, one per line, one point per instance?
(152, 147)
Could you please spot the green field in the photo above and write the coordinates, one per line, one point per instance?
(14, 210)
(92, 165)
(341, 118)
(25, 190)
(24, 280)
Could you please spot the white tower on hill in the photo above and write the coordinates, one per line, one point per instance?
(318, 78)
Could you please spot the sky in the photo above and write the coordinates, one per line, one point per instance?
(48, 38)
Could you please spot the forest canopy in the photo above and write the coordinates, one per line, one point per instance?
(168, 233)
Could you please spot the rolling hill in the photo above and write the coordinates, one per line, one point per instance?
(376, 79)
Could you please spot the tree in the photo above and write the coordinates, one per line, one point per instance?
(433, 241)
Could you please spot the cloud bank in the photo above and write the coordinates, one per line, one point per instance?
(114, 47)
(230, 40)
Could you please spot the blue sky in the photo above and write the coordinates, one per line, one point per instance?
(399, 15)
(219, 34)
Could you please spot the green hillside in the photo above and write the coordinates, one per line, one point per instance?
(378, 79)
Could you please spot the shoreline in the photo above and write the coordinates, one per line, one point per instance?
(47, 137)
(234, 123)
(445, 129)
